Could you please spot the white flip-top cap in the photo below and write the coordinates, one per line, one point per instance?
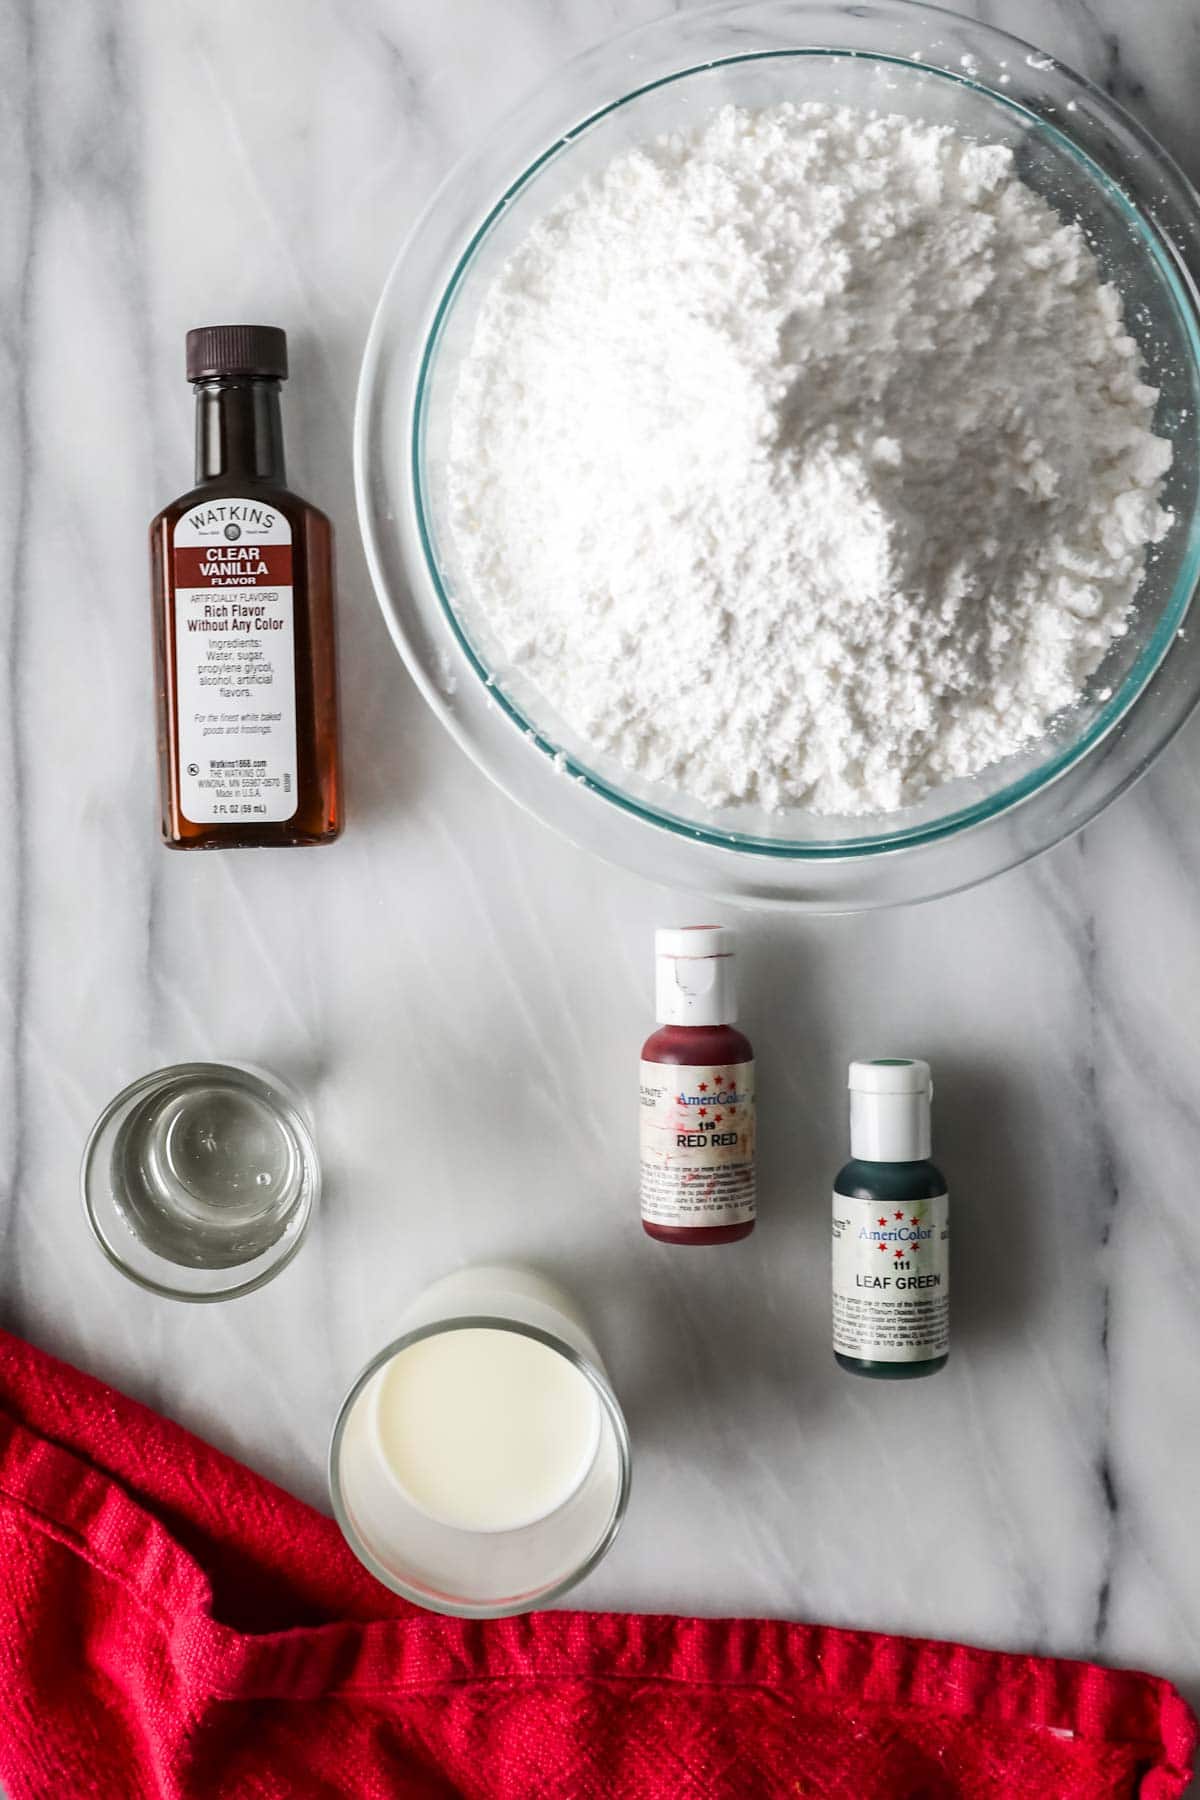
(889, 1109)
(695, 978)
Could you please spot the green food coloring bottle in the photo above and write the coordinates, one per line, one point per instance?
(891, 1229)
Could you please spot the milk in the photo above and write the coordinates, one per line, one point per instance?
(485, 1429)
(480, 1465)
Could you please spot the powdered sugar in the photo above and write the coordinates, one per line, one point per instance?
(804, 460)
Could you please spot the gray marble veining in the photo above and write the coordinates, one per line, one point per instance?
(463, 996)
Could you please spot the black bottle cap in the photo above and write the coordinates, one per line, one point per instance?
(236, 350)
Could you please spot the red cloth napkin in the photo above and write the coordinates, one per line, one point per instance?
(172, 1625)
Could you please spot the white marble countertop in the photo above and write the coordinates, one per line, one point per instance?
(463, 996)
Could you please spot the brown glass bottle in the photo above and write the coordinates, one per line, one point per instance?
(243, 620)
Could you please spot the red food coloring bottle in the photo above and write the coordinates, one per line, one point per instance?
(697, 1113)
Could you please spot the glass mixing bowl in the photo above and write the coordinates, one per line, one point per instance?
(1075, 147)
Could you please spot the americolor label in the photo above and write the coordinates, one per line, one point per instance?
(697, 1139)
(891, 1278)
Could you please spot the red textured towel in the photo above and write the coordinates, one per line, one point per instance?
(172, 1625)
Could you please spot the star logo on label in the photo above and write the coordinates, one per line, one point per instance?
(898, 1215)
(883, 1221)
(897, 1253)
(882, 1248)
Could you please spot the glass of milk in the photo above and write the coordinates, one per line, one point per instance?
(480, 1464)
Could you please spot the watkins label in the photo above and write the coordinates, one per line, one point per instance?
(697, 1144)
(235, 668)
(891, 1278)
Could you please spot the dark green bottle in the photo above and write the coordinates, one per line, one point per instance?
(891, 1229)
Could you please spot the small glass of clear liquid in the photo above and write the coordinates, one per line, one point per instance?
(199, 1180)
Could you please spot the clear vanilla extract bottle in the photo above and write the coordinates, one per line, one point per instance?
(697, 1096)
(245, 651)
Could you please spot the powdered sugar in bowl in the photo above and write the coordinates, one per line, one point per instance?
(879, 827)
